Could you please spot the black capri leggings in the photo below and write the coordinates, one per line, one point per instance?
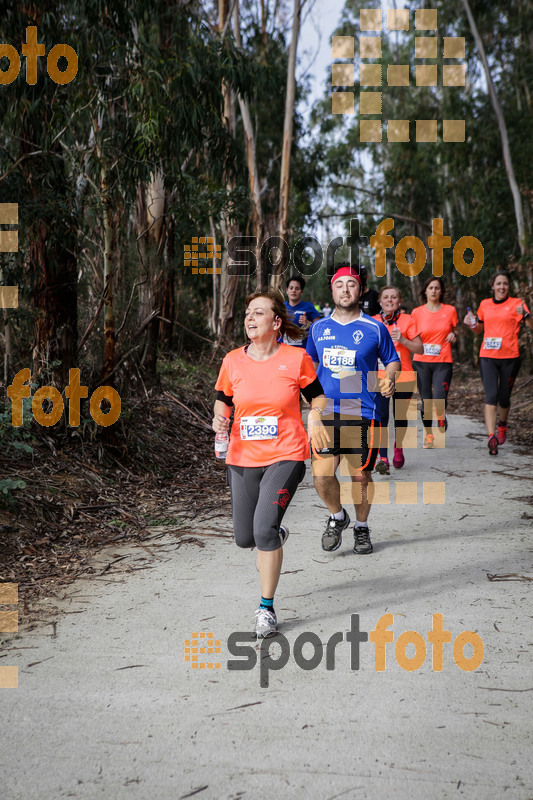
(259, 498)
(433, 383)
(383, 405)
(498, 376)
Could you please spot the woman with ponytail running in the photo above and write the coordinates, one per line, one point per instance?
(261, 384)
(404, 335)
(499, 319)
(436, 323)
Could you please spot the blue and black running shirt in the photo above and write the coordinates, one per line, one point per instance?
(347, 355)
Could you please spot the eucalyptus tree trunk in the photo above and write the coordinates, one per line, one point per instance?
(284, 188)
(253, 174)
(515, 191)
(228, 284)
(109, 273)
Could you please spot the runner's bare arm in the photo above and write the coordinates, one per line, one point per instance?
(526, 316)
(316, 431)
(413, 345)
(478, 327)
(451, 338)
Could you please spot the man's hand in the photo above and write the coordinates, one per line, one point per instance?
(387, 385)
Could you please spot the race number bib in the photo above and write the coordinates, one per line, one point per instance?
(337, 359)
(432, 349)
(259, 428)
(492, 343)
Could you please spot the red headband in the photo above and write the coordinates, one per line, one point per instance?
(346, 271)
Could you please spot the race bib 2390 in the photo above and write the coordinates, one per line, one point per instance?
(259, 428)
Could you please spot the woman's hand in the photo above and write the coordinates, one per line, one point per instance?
(451, 338)
(396, 334)
(220, 423)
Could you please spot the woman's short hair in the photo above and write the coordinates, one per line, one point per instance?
(298, 279)
(398, 292)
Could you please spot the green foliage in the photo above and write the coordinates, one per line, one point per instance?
(7, 486)
(463, 183)
(14, 438)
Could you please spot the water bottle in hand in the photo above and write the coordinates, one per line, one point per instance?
(471, 318)
(221, 445)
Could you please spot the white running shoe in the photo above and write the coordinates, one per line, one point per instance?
(266, 623)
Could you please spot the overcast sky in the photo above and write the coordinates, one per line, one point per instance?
(316, 36)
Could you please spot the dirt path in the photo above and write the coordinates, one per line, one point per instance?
(108, 707)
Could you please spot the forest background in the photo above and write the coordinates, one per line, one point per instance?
(188, 119)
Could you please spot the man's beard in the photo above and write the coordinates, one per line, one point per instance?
(353, 306)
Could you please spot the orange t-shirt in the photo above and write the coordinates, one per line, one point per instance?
(407, 327)
(434, 327)
(501, 325)
(269, 390)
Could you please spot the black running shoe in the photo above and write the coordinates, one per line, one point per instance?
(332, 536)
(361, 541)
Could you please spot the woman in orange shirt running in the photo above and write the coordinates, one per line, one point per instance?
(499, 318)
(436, 323)
(261, 383)
(404, 335)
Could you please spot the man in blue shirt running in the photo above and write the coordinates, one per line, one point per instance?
(300, 311)
(345, 348)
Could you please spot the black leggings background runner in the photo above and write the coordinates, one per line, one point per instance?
(433, 383)
(384, 411)
(498, 376)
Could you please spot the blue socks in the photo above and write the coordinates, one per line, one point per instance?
(267, 602)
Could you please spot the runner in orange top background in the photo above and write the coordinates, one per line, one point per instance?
(499, 318)
(436, 323)
(403, 332)
(261, 384)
